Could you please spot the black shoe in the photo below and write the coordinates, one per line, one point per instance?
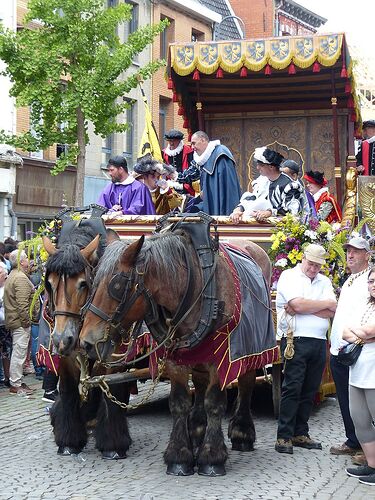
(370, 480)
(284, 446)
(306, 442)
(361, 472)
(50, 397)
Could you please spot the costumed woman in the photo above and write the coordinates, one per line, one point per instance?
(326, 205)
(156, 176)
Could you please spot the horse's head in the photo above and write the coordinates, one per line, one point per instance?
(67, 281)
(114, 300)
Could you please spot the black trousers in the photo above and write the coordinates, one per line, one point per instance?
(340, 374)
(302, 377)
(50, 381)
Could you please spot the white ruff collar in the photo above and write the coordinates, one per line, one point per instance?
(372, 139)
(201, 160)
(174, 152)
(128, 180)
(319, 193)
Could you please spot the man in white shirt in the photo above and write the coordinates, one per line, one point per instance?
(353, 296)
(305, 300)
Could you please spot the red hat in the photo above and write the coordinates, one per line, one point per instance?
(315, 177)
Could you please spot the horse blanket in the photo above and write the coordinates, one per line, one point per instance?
(247, 341)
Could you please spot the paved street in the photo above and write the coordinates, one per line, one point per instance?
(31, 469)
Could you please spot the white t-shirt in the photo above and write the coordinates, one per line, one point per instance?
(294, 283)
(353, 298)
(362, 373)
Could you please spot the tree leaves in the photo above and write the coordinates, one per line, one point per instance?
(68, 56)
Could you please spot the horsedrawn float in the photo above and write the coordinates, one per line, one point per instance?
(294, 94)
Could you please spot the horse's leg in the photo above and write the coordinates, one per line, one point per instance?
(241, 430)
(112, 432)
(213, 452)
(198, 417)
(179, 456)
(68, 424)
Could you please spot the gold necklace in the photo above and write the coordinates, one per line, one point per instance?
(353, 277)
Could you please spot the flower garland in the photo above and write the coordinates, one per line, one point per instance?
(290, 237)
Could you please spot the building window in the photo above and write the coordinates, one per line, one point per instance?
(197, 36)
(166, 37)
(133, 23)
(27, 229)
(35, 154)
(130, 118)
(165, 117)
(107, 149)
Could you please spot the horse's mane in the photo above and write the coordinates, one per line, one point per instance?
(68, 260)
(81, 235)
(108, 263)
(162, 256)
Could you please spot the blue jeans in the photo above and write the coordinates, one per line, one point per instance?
(34, 349)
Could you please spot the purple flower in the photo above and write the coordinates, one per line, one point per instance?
(313, 223)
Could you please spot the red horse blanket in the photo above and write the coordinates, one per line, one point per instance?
(247, 341)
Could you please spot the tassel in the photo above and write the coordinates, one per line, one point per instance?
(353, 117)
(350, 102)
(174, 97)
(292, 69)
(348, 87)
(186, 123)
(243, 72)
(219, 73)
(170, 83)
(189, 135)
(316, 67)
(196, 75)
(344, 73)
(181, 111)
(267, 71)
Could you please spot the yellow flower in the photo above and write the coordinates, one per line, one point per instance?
(275, 245)
(295, 256)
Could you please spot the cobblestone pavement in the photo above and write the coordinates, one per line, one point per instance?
(31, 469)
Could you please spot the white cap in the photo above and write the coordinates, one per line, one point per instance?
(258, 155)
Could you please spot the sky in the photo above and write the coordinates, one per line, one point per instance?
(356, 19)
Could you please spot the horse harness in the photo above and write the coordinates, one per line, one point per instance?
(161, 327)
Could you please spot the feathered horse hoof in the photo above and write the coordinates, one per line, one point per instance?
(180, 470)
(66, 451)
(242, 446)
(113, 455)
(211, 470)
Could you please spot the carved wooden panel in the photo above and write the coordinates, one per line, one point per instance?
(310, 137)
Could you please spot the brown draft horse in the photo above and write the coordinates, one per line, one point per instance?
(129, 283)
(69, 271)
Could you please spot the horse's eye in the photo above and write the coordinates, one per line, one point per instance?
(82, 285)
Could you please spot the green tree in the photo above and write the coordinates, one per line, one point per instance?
(69, 67)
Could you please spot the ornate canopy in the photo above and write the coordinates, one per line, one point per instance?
(301, 72)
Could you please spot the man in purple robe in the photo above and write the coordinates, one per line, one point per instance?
(125, 194)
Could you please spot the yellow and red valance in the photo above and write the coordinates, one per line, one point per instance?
(279, 53)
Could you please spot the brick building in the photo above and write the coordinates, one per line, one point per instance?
(265, 18)
(189, 21)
